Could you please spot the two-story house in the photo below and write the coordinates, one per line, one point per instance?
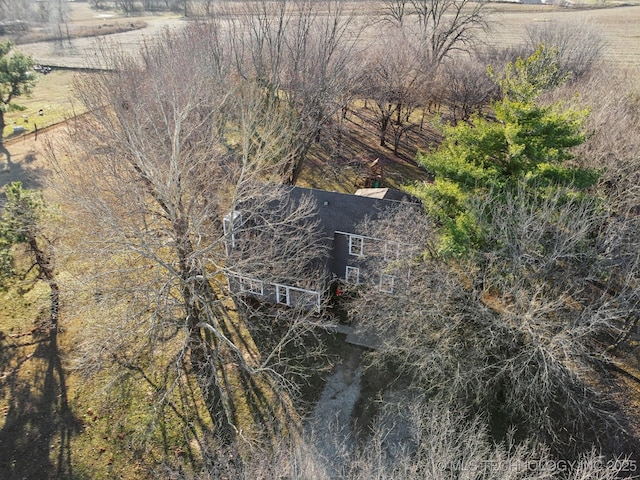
(345, 247)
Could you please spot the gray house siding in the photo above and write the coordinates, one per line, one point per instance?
(340, 216)
(340, 255)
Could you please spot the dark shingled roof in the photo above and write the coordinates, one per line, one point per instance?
(343, 211)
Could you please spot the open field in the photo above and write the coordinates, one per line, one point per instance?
(52, 102)
(619, 26)
(81, 52)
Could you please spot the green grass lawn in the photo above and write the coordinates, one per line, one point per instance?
(53, 94)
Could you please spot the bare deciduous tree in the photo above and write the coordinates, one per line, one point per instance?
(612, 147)
(304, 57)
(98, 4)
(58, 17)
(512, 333)
(18, 10)
(127, 6)
(580, 46)
(415, 440)
(447, 26)
(466, 87)
(397, 10)
(394, 82)
(614, 140)
(170, 148)
(404, 69)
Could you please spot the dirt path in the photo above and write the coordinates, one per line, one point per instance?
(29, 163)
(330, 426)
(82, 52)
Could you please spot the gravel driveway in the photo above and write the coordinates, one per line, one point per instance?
(329, 427)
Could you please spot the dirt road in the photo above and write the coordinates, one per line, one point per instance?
(81, 52)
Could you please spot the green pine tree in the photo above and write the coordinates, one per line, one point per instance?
(526, 142)
(16, 79)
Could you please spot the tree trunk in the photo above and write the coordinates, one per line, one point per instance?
(46, 271)
(396, 142)
(384, 124)
(294, 169)
(3, 149)
(2, 125)
(206, 358)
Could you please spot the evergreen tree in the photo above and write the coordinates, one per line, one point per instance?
(526, 142)
(21, 225)
(16, 79)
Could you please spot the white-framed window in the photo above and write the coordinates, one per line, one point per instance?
(297, 297)
(230, 224)
(352, 275)
(251, 285)
(301, 297)
(282, 295)
(386, 283)
(356, 245)
(391, 251)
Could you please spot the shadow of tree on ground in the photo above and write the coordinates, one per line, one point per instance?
(16, 172)
(38, 424)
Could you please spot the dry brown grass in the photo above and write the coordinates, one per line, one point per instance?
(619, 27)
(81, 30)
